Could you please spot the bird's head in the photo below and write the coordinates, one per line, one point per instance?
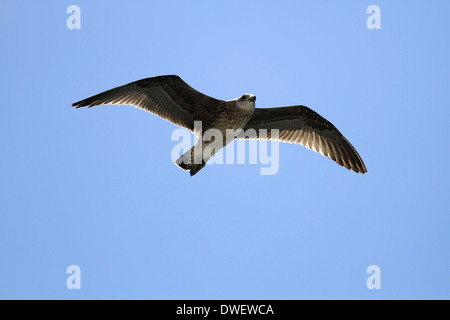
(246, 101)
(247, 97)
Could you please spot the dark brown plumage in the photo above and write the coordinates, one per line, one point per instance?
(301, 125)
(168, 97)
(172, 99)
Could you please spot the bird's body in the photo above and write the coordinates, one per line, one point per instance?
(232, 114)
(172, 99)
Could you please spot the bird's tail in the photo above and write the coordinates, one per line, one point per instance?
(193, 168)
(191, 161)
(197, 157)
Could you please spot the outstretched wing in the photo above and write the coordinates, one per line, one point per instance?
(168, 97)
(301, 125)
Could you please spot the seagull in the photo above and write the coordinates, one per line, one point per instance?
(172, 99)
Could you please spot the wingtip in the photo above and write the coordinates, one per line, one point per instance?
(357, 169)
(362, 170)
(77, 105)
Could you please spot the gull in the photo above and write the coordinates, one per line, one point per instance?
(172, 99)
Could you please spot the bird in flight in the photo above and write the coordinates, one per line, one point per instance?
(172, 99)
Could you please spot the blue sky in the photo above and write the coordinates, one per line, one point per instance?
(97, 188)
